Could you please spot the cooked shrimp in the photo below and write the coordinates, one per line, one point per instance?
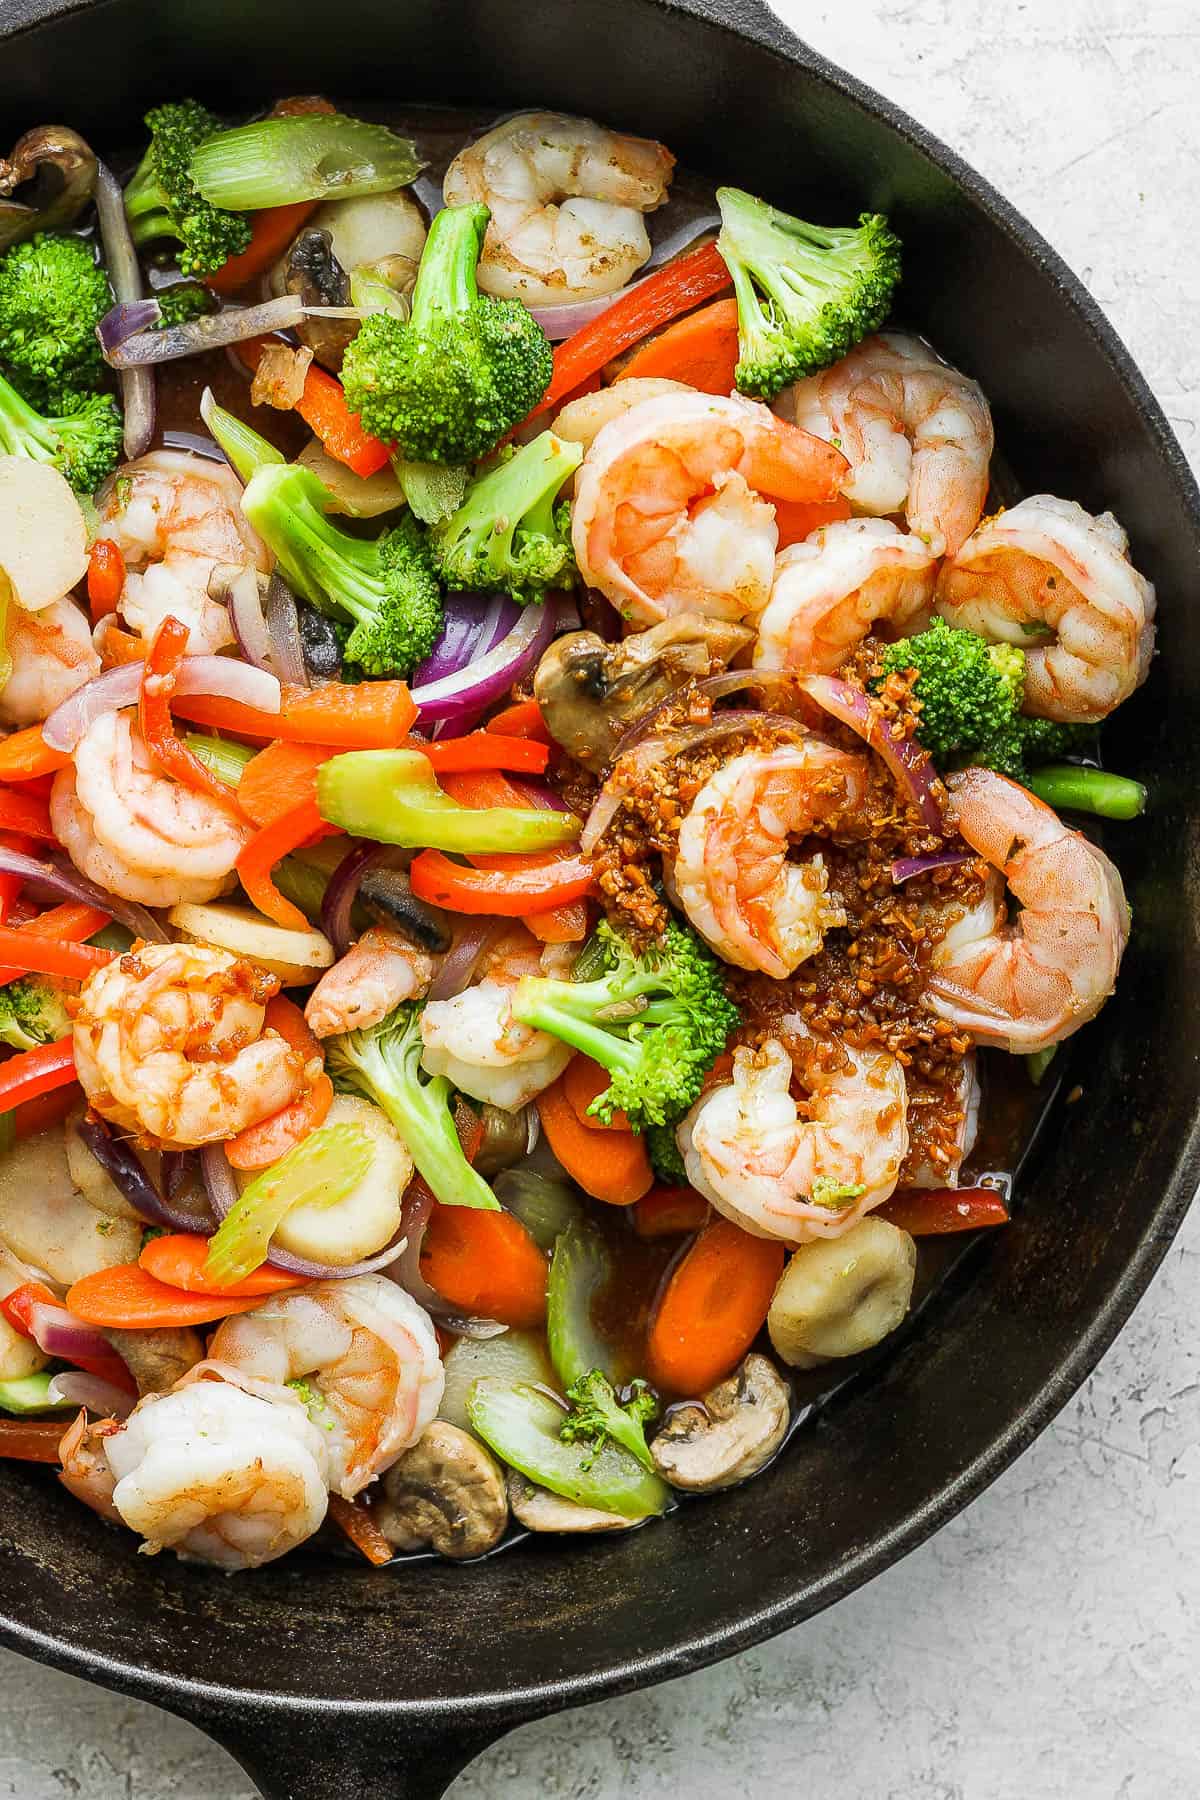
(174, 517)
(52, 655)
(368, 1356)
(830, 590)
(757, 909)
(918, 434)
(672, 504)
(780, 1175)
(375, 975)
(85, 1469)
(218, 1474)
(1047, 565)
(567, 198)
(137, 831)
(476, 1043)
(170, 1042)
(939, 1167)
(1027, 983)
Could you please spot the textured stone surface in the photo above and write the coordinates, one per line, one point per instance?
(1044, 1646)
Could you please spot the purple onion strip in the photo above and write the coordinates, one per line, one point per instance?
(483, 682)
(122, 1166)
(125, 274)
(51, 881)
(905, 867)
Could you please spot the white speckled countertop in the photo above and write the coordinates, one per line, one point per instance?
(1044, 1646)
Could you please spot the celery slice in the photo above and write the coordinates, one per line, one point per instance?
(522, 1425)
(31, 1394)
(580, 1267)
(307, 156)
(393, 797)
(321, 1171)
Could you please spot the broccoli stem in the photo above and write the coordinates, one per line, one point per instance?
(220, 756)
(568, 1012)
(446, 276)
(421, 1114)
(1069, 787)
(1038, 1061)
(245, 448)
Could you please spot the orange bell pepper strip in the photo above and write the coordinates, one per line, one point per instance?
(172, 755)
(127, 1297)
(271, 231)
(610, 1165)
(267, 847)
(522, 719)
(934, 1212)
(279, 778)
(322, 406)
(34, 1072)
(560, 924)
(24, 755)
(355, 1522)
(179, 1260)
(105, 578)
(700, 350)
(482, 751)
(117, 648)
(369, 715)
(486, 1263)
(28, 813)
(712, 1308)
(681, 285)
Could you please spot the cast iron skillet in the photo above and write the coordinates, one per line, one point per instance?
(334, 1683)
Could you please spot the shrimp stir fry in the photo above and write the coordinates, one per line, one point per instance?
(584, 826)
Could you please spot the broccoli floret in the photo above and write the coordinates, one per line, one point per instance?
(970, 694)
(52, 297)
(383, 1065)
(182, 302)
(509, 533)
(655, 1019)
(162, 200)
(83, 443)
(806, 294)
(665, 1156)
(32, 1012)
(385, 587)
(447, 383)
(599, 1417)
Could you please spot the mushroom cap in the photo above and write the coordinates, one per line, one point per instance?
(447, 1493)
(729, 1434)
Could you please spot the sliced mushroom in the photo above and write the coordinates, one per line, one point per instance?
(729, 1434)
(388, 897)
(841, 1295)
(447, 1492)
(158, 1358)
(505, 1141)
(591, 692)
(313, 272)
(539, 1510)
(45, 183)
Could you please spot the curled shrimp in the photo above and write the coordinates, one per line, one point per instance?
(1049, 565)
(365, 985)
(777, 1174)
(831, 589)
(135, 830)
(367, 1355)
(218, 1474)
(51, 654)
(732, 873)
(85, 1470)
(170, 1043)
(917, 432)
(476, 1043)
(567, 198)
(673, 504)
(1029, 982)
(175, 517)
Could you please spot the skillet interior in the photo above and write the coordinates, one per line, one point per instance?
(325, 1679)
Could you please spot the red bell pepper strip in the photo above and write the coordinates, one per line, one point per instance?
(269, 846)
(71, 923)
(554, 921)
(687, 282)
(369, 715)
(934, 1212)
(26, 812)
(172, 755)
(33, 1072)
(105, 578)
(32, 1307)
(522, 719)
(509, 893)
(25, 952)
(481, 751)
(31, 1440)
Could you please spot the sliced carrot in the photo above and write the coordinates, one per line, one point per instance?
(798, 519)
(179, 1259)
(610, 1165)
(24, 755)
(582, 1080)
(560, 924)
(267, 847)
(700, 350)
(670, 1212)
(280, 777)
(486, 1263)
(285, 1017)
(522, 719)
(352, 1518)
(712, 1308)
(483, 750)
(258, 1146)
(105, 578)
(271, 231)
(367, 715)
(128, 1298)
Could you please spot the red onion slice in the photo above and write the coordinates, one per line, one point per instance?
(222, 1192)
(461, 631)
(905, 867)
(232, 326)
(223, 676)
(337, 902)
(55, 881)
(99, 1396)
(559, 322)
(283, 625)
(912, 767)
(125, 320)
(58, 1332)
(235, 587)
(462, 958)
(125, 274)
(485, 681)
(119, 1162)
(196, 443)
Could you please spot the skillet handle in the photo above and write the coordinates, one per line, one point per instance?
(330, 1758)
